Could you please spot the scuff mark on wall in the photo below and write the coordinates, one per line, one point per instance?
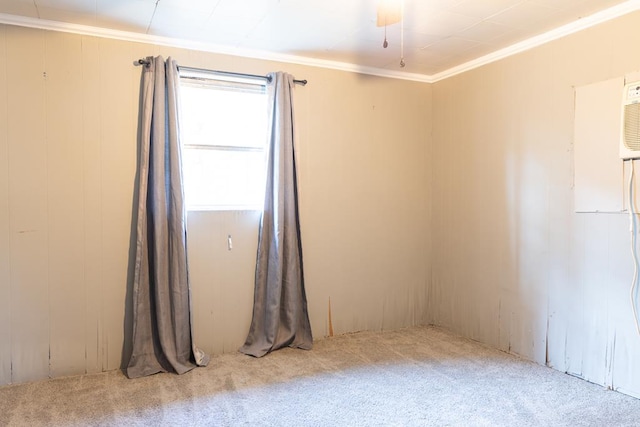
(99, 357)
(546, 344)
(608, 361)
(566, 354)
(500, 323)
(330, 322)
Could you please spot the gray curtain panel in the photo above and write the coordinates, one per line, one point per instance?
(280, 317)
(162, 335)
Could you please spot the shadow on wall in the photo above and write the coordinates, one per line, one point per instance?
(127, 344)
(490, 217)
(523, 295)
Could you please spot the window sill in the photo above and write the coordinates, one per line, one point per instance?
(223, 208)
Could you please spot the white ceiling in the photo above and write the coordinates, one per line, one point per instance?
(438, 34)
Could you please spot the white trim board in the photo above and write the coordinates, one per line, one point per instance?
(557, 33)
(581, 24)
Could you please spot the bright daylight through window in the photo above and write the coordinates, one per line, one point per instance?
(223, 126)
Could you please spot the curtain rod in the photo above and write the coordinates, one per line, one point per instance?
(226, 73)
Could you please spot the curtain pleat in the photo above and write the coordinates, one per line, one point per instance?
(280, 316)
(162, 327)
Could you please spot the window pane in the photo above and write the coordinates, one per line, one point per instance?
(211, 116)
(223, 125)
(223, 178)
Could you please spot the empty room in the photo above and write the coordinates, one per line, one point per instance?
(319, 212)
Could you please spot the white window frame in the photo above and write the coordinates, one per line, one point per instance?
(203, 78)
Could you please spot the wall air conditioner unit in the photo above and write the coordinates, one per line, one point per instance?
(630, 139)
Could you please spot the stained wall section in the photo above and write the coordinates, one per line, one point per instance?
(513, 265)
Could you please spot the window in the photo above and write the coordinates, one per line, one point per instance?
(223, 125)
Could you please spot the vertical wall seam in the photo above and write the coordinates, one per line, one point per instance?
(46, 184)
(84, 208)
(9, 225)
(99, 341)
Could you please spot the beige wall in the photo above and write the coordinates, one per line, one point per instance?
(68, 122)
(475, 232)
(513, 265)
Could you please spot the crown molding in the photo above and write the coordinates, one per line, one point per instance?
(24, 21)
(557, 33)
(581, 24)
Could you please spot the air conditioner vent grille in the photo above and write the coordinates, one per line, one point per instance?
(632, 127)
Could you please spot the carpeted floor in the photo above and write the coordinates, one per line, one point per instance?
(413, 377)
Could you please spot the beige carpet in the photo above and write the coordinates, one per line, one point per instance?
(414, 377)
